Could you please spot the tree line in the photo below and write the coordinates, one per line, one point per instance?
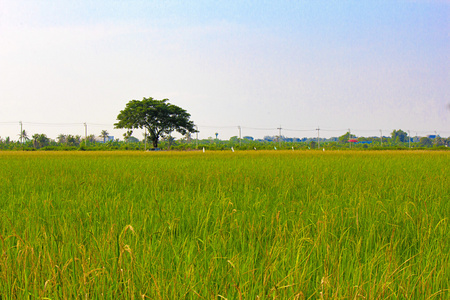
(129, 142)
(159, 118)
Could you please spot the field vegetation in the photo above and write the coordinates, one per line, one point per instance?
(399, 140)
(224, 225)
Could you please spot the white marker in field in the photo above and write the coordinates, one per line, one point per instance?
(232, 149)
(203, 149)
(292, 148)
(323, 149)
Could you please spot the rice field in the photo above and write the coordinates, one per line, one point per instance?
(223, 225)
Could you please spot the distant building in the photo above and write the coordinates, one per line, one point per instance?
(109, 138)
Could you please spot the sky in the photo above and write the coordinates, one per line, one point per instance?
(362, 66)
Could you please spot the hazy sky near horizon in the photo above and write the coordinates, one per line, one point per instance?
(363, 65)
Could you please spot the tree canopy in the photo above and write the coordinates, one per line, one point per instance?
(399, 136)
(159, 117)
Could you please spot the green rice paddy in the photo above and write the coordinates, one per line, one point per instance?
(223, 225)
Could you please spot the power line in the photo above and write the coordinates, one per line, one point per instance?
(208, 126)
(254, 128)
(318, 137)
(300, 130)
(56, 124)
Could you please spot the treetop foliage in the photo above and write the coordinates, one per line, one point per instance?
(159, 117)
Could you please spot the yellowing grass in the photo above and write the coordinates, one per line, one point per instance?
(193, 225)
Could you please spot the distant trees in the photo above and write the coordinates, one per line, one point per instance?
(91, 138)
(43, 140)
(40, 140)
(438, 141)
(425, 142)
(170, 141)
(398, 139)
(61, 138)
(6, 143)
(234, 139)
(72, 140)
(447, 142)
(69, 140)
(347, 136)
(399, 136)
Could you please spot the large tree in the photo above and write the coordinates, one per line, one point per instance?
(159, 117)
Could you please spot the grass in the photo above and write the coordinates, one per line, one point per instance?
(222, 225)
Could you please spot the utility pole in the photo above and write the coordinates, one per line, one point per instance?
(409, 139)
(85, 134)
(21, 133)
(349, 137)
(240, 143)
(279, 136)
(196, 137)
(318, 140)
(381, 137)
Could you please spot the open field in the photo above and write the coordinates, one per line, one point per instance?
(215, 225)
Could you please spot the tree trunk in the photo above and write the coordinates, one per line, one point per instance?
(154, 137)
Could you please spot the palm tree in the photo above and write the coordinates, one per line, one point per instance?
(23, 136)
(35, 138)
(104, 134)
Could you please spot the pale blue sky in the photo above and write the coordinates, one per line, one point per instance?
(363, 65)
